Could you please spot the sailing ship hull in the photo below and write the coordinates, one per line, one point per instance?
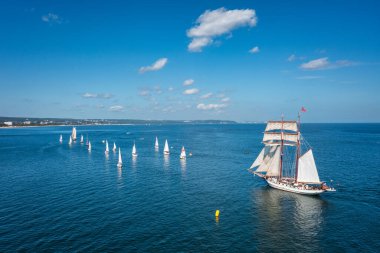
(289, 188)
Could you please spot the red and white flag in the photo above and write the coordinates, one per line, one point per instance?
(303, 109)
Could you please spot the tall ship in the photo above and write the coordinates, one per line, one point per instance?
(286, 161)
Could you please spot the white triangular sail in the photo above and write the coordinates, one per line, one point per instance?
(269, 152)
(60, 138)
(156, 143)
(120, 162)
(107, 149)
(258, 160)
(183, 153)
(166, 148)
(114, 147)
(307, 170)
(274, 166)
(74, 134)
(81, 138)
(89, 146)
(134, 151)
(70, 140)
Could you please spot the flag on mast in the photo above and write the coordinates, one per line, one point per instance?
(303, 109)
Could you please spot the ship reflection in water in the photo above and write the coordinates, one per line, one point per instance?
(285, 218)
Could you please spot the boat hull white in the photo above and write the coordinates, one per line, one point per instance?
(288, 188)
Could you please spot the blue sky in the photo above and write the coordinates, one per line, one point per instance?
(236, 60)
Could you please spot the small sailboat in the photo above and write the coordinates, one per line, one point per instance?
(107, 149)
(134, 152)
(87, 140)
(89, 146)
(70, 140)
(120, 162)
(60, 138)
(114, 147)
(156, 143)
(286, 162)
(74, 134)
(166, 148)
(183, 153)
(81, 138)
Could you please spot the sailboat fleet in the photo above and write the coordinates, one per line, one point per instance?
(134, 153)
(286, 162)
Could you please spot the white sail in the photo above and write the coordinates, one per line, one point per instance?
(307, 170)
(166, 148)
(120, 162)
(269, 152)
(156, 143)
(183, 153)
(274, 166)
(81, 138)
(70, 140)
(280, 136)
(282, 125)
(258, 160)
(60, 138)
(114, 147)
(74, 134)
(107, 149)
(134, 152)
(89, 146)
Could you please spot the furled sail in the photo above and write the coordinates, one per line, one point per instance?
(282, 125)
(307, 170)
(274, 166)
(258, 160)
(268, 156)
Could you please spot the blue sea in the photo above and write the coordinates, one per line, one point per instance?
(60, 198)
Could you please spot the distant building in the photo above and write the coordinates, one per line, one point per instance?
(27, 122)
(8, 123)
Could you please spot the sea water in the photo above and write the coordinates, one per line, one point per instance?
(57, 197)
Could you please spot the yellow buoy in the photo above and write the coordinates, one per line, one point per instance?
(217, 213)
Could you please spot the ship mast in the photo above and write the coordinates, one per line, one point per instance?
(282, 144)
(298, 146)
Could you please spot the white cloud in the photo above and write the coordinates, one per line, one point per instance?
(159, 64)
(308, 77)
(254, 50)
(320, 63)
(323, 63)
(292, 58)
(207, 107)
(226, 99)
(116, 108)
(188, 82)
(216, 23)
(191, 91)
(197, 44)
(97, 95)
(51, 18)
(144, 93)
(157, 89)
(207, 95)
(170, 89)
